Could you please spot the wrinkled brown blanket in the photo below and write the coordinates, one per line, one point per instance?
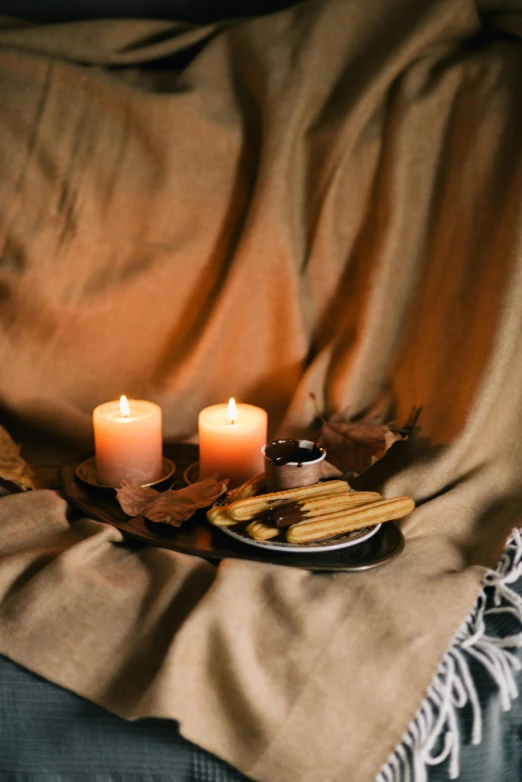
(326, 199)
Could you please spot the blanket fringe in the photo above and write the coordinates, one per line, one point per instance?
(433, 736)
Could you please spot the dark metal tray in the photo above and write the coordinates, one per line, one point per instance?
(198, 538)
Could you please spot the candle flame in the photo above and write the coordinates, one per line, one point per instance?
(124, 406)
(232, 410)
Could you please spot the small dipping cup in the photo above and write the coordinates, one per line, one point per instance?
(292, 463)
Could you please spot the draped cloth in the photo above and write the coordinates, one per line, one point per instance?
(327, 199)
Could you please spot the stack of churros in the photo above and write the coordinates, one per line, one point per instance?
(308, 513)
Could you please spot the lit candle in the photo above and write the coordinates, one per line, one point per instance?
(128, 442)
(230, 441)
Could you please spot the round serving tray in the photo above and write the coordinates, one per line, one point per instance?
(197, 537)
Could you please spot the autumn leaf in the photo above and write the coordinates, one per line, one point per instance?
(353, 446)
(173, 506)
(13, 469)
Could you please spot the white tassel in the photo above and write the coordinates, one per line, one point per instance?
(434, 736)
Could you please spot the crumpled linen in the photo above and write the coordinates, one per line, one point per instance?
(325, 199)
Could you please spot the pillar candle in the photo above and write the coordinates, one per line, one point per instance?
(230, 441)
(128, 442)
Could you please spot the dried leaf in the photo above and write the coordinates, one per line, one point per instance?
(171, 506)
(13, 469)
(353, 446)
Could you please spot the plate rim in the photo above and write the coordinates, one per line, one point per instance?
(293, 548)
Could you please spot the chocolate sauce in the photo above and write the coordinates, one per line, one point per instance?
(284, 517)
(285, 451)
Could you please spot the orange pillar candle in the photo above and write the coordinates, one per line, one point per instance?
(230, 441)
(128, 442)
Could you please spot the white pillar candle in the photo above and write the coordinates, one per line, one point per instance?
(128, 442)
(230, 441)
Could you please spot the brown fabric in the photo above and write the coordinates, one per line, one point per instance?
(327, 199)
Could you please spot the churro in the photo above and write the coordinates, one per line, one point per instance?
(252, 507)
(219, 517)
(250, 488)
(259, 531)
(344, 521)
(303, 511)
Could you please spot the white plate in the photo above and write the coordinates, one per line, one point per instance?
(330, 544)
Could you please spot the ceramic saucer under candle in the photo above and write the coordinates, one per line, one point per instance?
(191, 474)
(86, 472)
